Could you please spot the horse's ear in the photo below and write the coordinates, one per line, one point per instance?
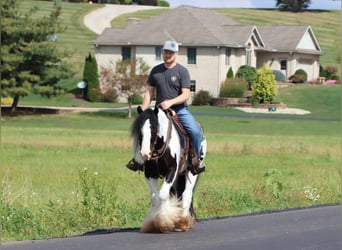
(156, 109)
(139, 109)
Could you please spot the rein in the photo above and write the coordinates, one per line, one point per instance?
(158, 153)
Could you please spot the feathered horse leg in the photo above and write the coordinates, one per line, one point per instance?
(164, 211)
(187, 218)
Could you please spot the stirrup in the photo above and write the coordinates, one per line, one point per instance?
(197, 170)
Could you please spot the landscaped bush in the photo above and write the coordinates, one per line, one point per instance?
(279, 76)
(230, 73)
(265, 86)
(202, 98)
(6, 100)
(233, 87)
(248, 73)
(136, 99)
(329, 72)
(302, 73)
(164, 3)
(297, 78)
(110, 96)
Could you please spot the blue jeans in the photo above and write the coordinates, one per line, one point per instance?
(191, 126)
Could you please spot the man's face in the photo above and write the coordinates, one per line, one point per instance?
(169, 56)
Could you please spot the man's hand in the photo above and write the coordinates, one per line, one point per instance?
(165, 104)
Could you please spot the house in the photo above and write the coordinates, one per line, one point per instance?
(211, 43)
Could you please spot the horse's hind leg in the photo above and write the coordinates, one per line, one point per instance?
(187, 218)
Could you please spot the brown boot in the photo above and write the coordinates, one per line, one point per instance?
(134, 166)
(195, 166)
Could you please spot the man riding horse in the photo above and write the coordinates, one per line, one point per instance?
(170, 82)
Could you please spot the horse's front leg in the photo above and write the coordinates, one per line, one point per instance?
(154, 194)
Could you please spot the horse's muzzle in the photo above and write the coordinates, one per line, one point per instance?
(146, 155)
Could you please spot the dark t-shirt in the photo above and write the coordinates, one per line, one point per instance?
(169, 82)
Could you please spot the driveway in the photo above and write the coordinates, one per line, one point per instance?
(100, 19)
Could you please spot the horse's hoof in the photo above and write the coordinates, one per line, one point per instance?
(184, 224)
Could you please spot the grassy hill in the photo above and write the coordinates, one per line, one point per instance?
(76, 38)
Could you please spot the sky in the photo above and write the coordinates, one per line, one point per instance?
(315, 4)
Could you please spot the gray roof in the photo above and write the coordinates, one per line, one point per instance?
(192, 26)
(187, 25)
(285, 38)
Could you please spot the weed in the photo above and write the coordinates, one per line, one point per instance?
(273, 184)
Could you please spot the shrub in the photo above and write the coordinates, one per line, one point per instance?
(329, 72)
(110, 96)
(265, 86)
(279, 76)
(135, 99)
(248, 73)
(302, 73)
(230, 73)
(202, 98)
(297, 78)
(164, 3)
(233, 87)
(7, 101)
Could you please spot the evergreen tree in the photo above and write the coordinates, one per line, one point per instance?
(90, 76)
(30, 60)
(230, 73)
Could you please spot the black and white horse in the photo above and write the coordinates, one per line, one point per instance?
(158, 145)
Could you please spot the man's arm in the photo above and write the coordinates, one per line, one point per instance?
(148, 96)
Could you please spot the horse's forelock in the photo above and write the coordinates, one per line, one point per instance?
(141, 119)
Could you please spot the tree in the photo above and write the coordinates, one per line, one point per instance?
(30, 60)
(248, 73)
(128, 80)
(90, 76)
(230, 73)
(265, 86)
(293, 5)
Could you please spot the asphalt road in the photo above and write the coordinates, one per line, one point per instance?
(317, 228)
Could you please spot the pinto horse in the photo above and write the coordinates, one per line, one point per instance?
(160, 148)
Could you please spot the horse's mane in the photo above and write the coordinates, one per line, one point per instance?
(140, 120)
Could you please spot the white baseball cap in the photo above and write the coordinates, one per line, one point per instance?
(171, 45)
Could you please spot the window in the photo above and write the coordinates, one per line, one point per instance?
(249, 55)
(126, 53)
(228, 54)
(283, 64)
(192, 55)
(158, 52)
(193, 86)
